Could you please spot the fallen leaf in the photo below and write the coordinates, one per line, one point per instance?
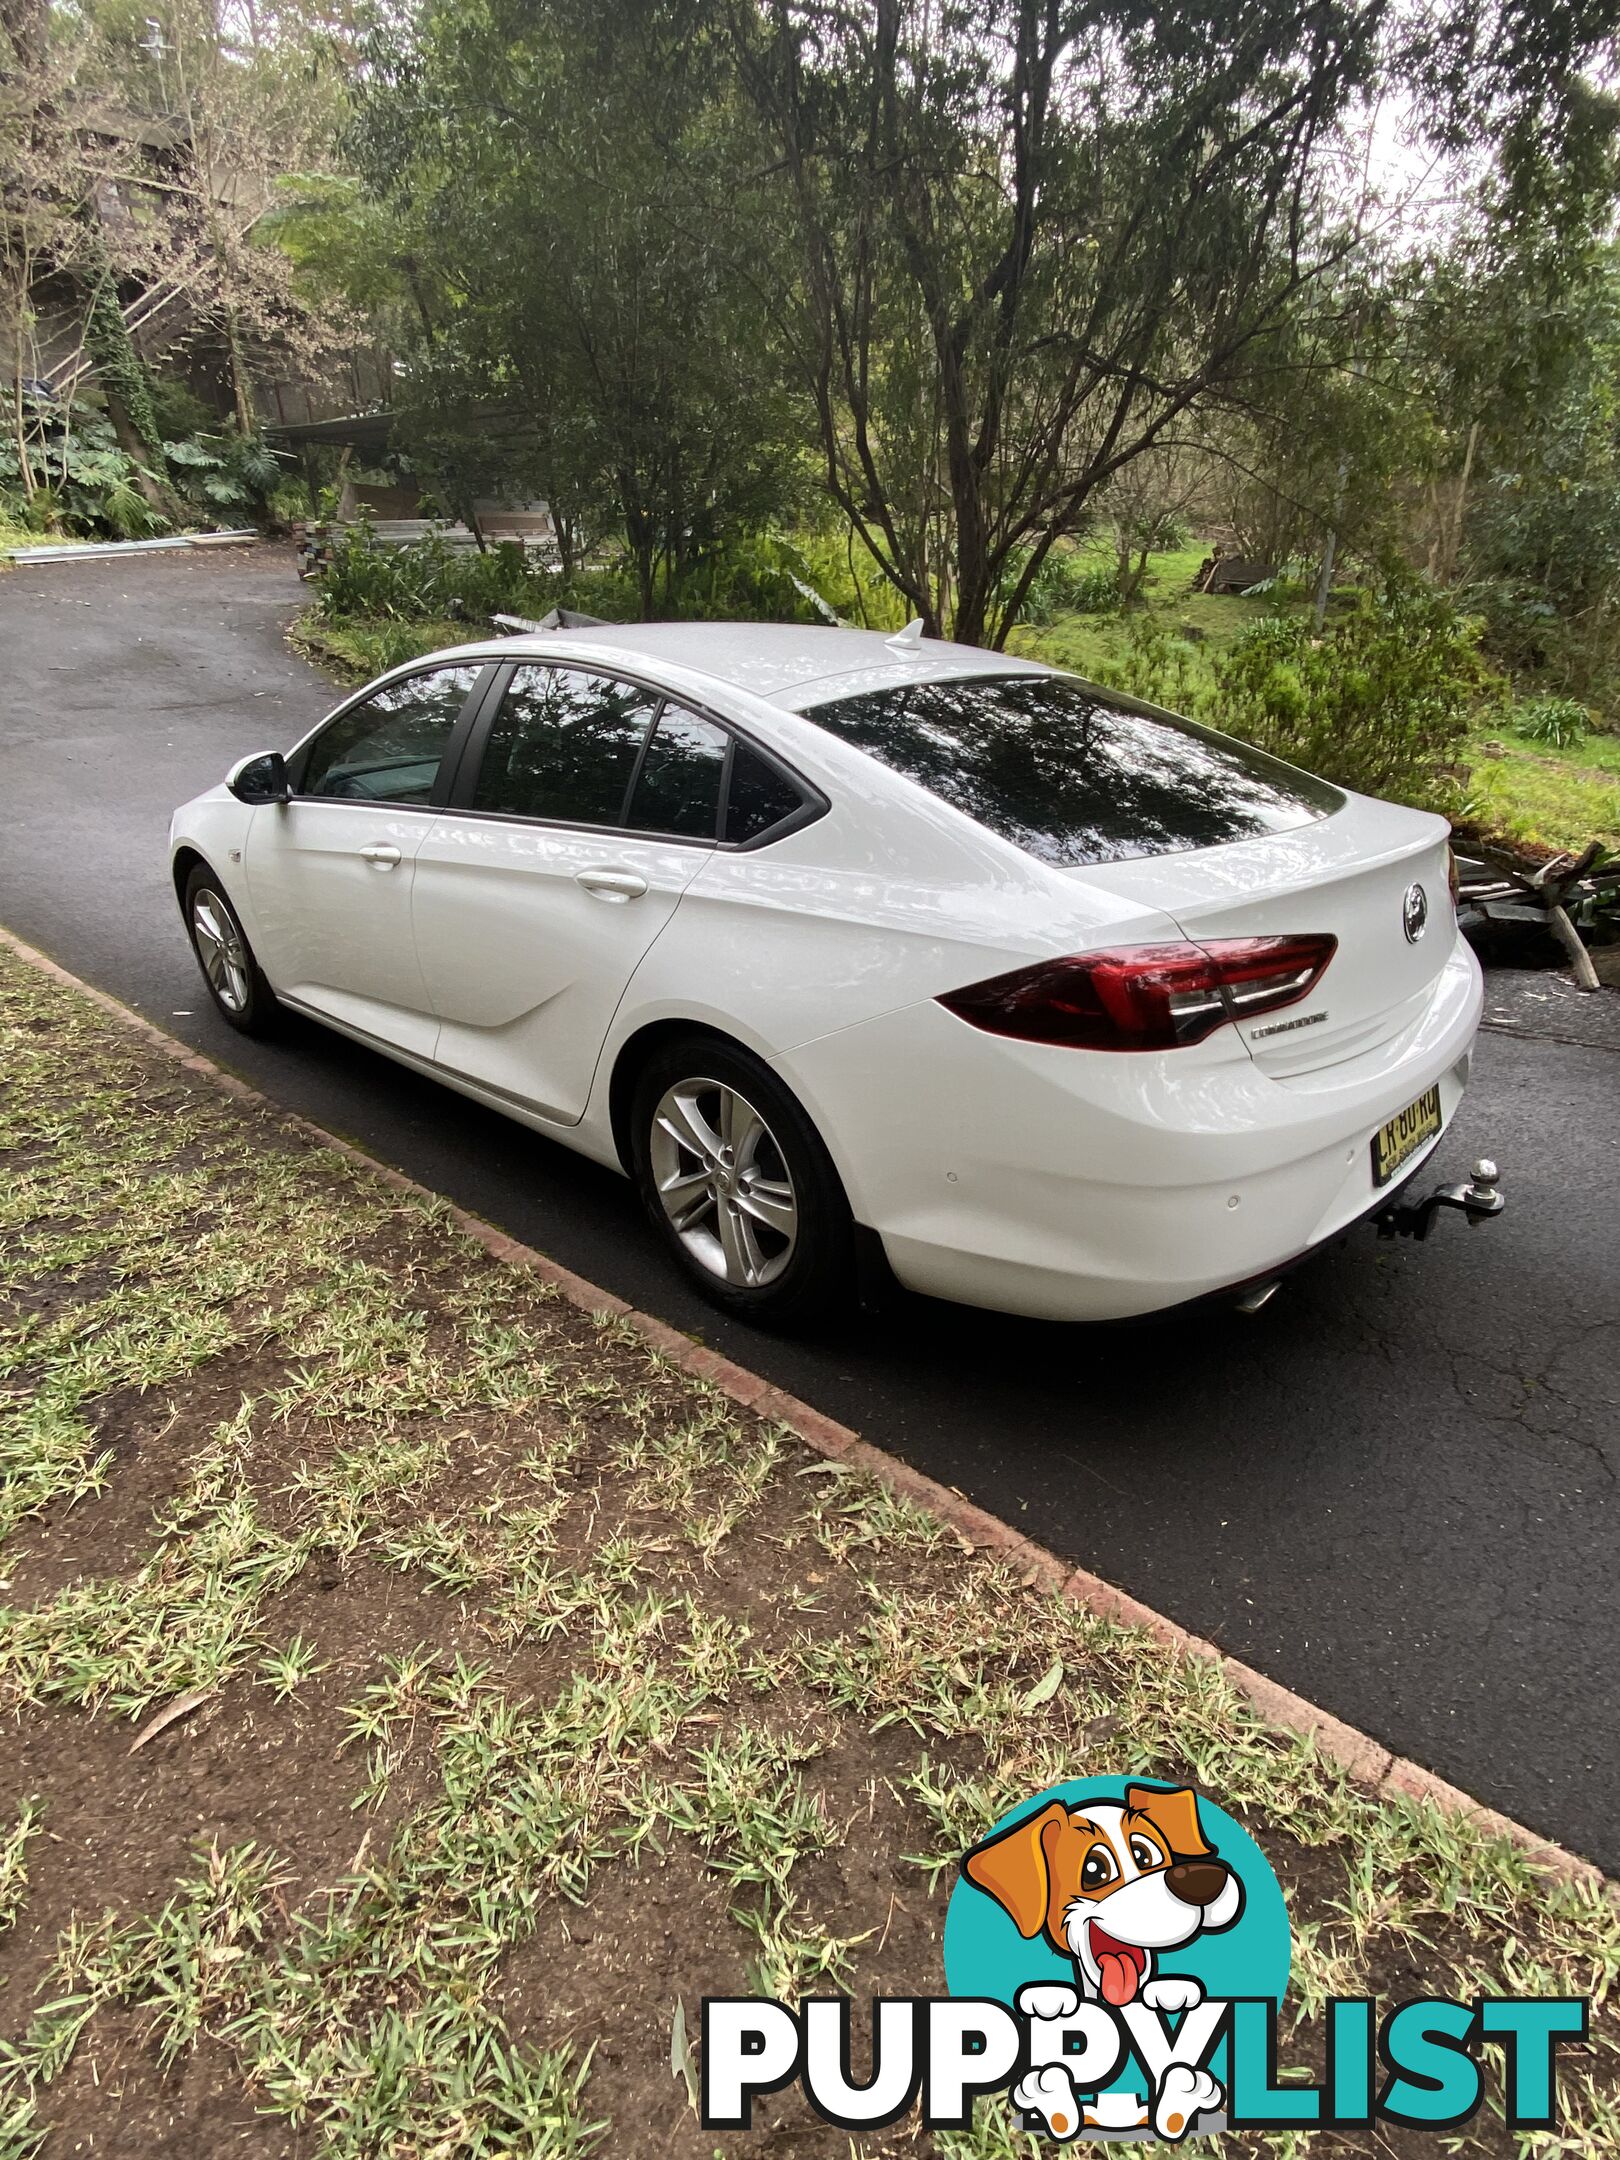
(170, 1714)
(681, 2064)
(1046, 1686)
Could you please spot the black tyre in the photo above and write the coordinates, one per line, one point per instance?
(236, 982)
(736, 1181)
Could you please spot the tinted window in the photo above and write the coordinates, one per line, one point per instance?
(388, 747)
(1074, 776)
(759, 796)
(564, 746)
(678, 788)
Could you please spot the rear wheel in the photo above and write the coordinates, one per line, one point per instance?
(738, 1184)
(235, 980)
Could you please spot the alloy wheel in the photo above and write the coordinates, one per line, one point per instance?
(723, 1182)
(221, 950)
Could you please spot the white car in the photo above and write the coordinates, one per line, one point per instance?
(837, 942)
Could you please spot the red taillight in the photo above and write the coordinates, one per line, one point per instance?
(1145, 997)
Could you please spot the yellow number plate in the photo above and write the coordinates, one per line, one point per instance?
(1399, 1139)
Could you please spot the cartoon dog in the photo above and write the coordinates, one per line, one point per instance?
(1109, 1886)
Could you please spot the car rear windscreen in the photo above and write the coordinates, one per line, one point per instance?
(1072, 774)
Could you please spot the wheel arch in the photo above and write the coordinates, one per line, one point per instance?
(186, 859)
(630, 1062)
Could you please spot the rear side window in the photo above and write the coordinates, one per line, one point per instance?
(1072, 775)
(388, 747)
(759, 796)
(678, 787)
(564, 746)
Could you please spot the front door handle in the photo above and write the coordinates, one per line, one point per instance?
(381, 854)
(610, 884)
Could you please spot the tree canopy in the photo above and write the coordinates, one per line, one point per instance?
(960, 263)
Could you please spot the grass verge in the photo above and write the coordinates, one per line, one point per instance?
(354, 651)
(417, 1693)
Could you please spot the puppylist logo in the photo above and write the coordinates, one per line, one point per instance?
(1116, 1955)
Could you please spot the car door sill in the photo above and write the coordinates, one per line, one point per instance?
(495, 1098)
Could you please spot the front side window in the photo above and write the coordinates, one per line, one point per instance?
(388, 748)
(1073, 775)
(564, 746)
(678, 787)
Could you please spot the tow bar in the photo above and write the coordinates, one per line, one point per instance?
(1478, 1201)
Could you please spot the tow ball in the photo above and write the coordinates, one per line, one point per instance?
(1477, 1201)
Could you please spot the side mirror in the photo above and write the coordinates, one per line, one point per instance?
(261, 778)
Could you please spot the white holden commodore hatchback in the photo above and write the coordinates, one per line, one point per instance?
(1078, 1009)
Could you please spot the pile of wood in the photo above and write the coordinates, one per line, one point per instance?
(1220, 573)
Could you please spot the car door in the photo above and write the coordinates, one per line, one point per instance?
(330, 871)
(585, 806)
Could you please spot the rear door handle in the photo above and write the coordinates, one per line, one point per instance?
(381, 854)
(610, 884)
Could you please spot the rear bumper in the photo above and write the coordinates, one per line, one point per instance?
(1078, 1186)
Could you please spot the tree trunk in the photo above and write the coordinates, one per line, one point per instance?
(158, 497)
(1324, 580)
(19, 429)
(975, 589)
(1453, 543)
(240, 394)
(1330, 548)
(643, 544)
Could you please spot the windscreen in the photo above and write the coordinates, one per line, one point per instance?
(1073, 775)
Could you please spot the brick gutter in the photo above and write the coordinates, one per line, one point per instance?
(1364, 1759)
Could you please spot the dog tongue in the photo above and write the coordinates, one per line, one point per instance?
(1118, 1978)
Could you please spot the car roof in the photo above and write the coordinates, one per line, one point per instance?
(793, 665)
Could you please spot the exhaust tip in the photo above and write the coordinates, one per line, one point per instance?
(1252, 1300)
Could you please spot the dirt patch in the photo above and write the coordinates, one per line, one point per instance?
(116, 2102)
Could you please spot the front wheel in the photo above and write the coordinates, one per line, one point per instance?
(738, 1184)
(236, 982)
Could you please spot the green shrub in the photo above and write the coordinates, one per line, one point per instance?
(752, 579)
(1087, 589)
(837, 568)
(364, 580)
(1164, 670)
(360, 650)
(1560, 722)
(1380, 702)
(756, 577)
(84, 483)
(1067, 583)
(88, 485)
(224, 473)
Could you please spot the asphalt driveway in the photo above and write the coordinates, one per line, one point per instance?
(1394, 1491)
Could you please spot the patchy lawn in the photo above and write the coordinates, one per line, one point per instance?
(1209, 621)
(1541, 801)
(518, 1688)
